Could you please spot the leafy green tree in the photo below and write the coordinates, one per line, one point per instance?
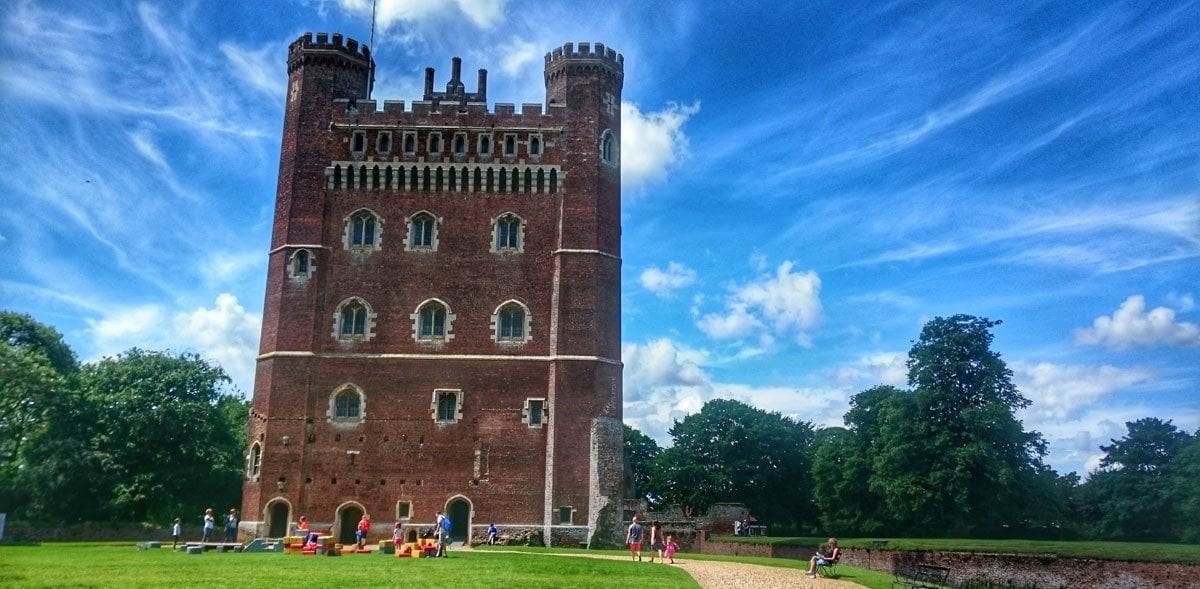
(21, 331)
(1134, 494)
(163, 435)
(951, 457)
(730, 451)
(37, 386)
(1186, 492)
(640, 452)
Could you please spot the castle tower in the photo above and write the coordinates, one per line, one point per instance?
(441, 329)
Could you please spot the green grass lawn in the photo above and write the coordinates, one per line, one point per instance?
(62, 565)
(1130, 551)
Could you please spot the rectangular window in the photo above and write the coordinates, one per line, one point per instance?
(447, 406)
(564, 514)
(359, 142)
(403, 509)
(537, 407)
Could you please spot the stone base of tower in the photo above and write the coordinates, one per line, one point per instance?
(607, 472)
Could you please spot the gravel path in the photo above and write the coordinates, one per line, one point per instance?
(715, 574)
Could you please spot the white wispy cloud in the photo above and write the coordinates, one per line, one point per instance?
(1133, 326)
(389, 13)
(787, 303)
(665, 282)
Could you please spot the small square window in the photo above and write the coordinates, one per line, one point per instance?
(447, 406)
(564, 515)
(403, 509)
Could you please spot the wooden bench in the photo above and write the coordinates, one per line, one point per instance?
(921, 576)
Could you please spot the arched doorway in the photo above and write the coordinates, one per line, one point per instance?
(347, 522)
(459, 510)
(278, 516)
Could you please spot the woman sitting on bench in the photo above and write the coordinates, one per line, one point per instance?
(822, 560)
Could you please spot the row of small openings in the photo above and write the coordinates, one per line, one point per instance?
(433, 143)
(439, 178)
(312, 439)
(382, 482)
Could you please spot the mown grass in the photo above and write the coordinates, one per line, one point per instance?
(1126, 551)
(121, 565)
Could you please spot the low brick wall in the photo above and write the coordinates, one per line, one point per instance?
(1047, 571)
(91, 532)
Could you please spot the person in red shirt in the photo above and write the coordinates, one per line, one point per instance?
(364, 526)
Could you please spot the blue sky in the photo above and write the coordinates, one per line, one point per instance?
(805, 185)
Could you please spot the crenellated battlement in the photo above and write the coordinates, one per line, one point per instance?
(586, 51)
(324, 42)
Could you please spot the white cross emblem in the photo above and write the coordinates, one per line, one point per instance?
(295, 90)
(610, 103)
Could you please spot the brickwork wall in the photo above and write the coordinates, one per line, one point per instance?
(567, 275)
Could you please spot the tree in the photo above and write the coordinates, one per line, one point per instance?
(843, 462)
(640, 452)
(37, 386)
(163, 434)
(951, 457)
(21, 331)
(1134, 494)
(730, 451)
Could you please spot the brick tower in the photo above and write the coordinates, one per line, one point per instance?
(441, 329)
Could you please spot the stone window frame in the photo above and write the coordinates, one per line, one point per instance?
(447, 326)
(434, 144)
(346, 389)
(358, 143)
(369, 321)
(534, 145)
(254, 462)
(410, 141)
(348, 231)
(521, 223)
(485, 145)
(381, 139)
(496, 323)
(460, 138)
(434, 232)
(435, 406)
(529, 410)
(609, 150)
(511, 145)
(407, 514)
(305, 256)
(570, 512)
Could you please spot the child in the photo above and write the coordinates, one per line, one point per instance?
(670, 549)
(493, 534)
(176, 531)
(398, 536)
(302, 527)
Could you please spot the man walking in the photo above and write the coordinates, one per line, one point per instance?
(633, 537)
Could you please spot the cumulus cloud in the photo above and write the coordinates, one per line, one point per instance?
(516, 54)
(225, 333)
(786, 304)
(884, 368)
(665, 382)
(664, 282)
(1132, 326)
(652, 142)
(1059, 391)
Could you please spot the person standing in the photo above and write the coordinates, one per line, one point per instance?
(176, 532)
(443, 533)
(360, 534)
(210, 522)
(231, 526)
(633, 537)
